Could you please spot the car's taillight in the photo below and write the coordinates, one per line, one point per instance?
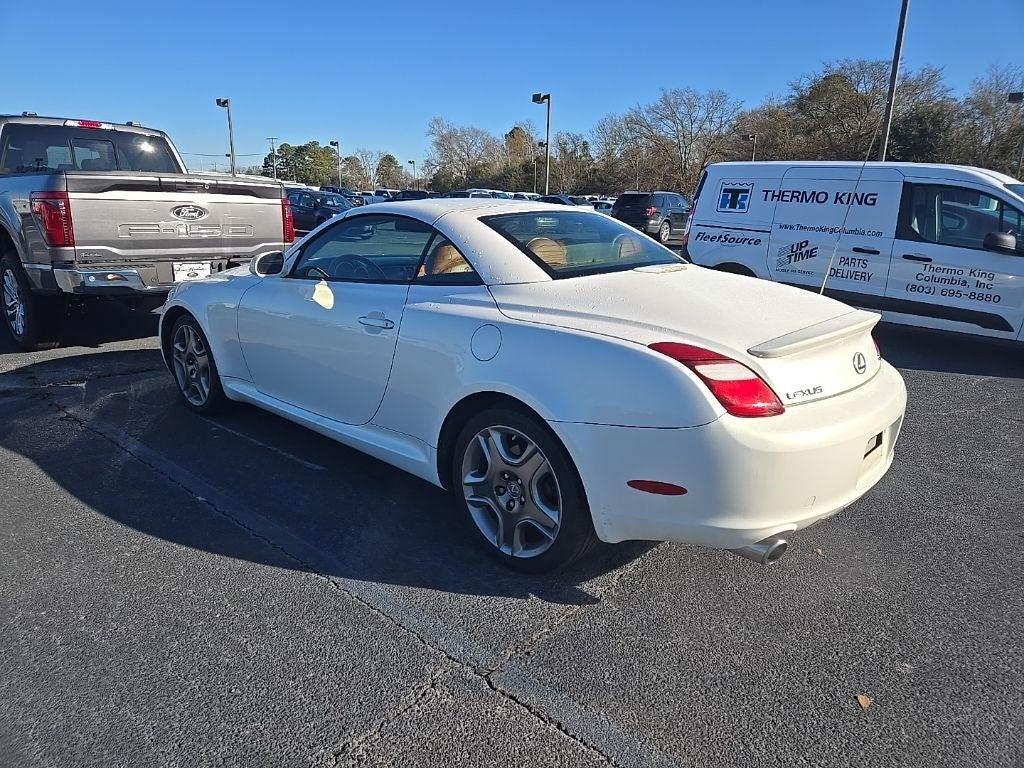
(287, 220)
(53, 209)
(651, 211)
(740, 391)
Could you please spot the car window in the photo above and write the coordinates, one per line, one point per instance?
(444, 264)
(958, 216)
(306, 200)
(572, 243)
(371, 248)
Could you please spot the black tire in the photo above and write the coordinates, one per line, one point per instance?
(41, 316)
(665, 232)
(574, 534)
(189, 386)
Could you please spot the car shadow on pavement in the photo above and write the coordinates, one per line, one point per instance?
(248, 472)
(94, 324)
(926, 350)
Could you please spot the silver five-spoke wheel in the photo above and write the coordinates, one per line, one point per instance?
(191, 365)
(511, 491)
(14, 307)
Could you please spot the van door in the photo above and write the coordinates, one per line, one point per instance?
(808, 241)
(942, 274)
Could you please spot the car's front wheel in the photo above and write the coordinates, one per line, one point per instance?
(194, 368)
(521, 491)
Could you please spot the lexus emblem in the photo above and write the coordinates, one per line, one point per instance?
(189, 212)
(860, 363)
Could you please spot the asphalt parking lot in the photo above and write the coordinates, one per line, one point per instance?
(182, 591)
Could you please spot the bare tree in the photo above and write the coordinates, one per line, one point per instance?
(369, 159)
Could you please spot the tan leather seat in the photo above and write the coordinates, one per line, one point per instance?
(629, 247)
(443, 260)
(547, 250)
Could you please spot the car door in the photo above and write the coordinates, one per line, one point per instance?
(322, 336)
(942, 275)
(678, 211)
(302, 210)
(835, 226)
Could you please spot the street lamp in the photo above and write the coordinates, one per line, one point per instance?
(413, 164)
(226, 104)
(752, 138)
(337, 147)
(545, 98)
(890, 99)
(1017, 97)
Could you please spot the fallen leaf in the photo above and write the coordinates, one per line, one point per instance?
(864, 701)
(818, 552)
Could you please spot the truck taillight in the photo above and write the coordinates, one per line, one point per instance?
(740, 391)
(53, 210)
(91, 124)
(287, 220)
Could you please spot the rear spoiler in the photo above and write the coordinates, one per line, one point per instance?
(818, 335)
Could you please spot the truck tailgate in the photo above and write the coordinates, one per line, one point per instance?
(127, 218)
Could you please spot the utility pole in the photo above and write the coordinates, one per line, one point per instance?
(337, 147)
(535, 171)
(752, 138)
(226, 104)
(1017, 97)
(273, 154)
(545, 98)
(890, 101)
(413, 164)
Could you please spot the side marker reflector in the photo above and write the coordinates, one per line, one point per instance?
(657, 487)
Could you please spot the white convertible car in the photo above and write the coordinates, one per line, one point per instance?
(565, 377)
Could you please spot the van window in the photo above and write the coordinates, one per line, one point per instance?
(957, 216)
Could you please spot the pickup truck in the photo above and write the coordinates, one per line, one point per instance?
(97, 211)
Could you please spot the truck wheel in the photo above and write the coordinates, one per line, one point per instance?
(34, 321)
(665, 232)
(194, 368)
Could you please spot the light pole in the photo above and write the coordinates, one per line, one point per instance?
(545, 98)
(273, 154)
(535, 171)
(337, 148)
(1017, 97)
(226, 104)
(413, 164)
(890, 100)
(752, 138)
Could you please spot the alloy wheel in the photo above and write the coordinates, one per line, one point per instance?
(191, 365)
(511, 491)
(665, 232)
(14, 307)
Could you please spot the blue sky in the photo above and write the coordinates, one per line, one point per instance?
(374, 73)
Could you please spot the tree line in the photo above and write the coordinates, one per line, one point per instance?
(832, 114)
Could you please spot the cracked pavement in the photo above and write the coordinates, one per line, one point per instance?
(177, 590)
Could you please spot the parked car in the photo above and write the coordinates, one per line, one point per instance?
(385, 194)
(526, 196)
(556, 199)
(937, 246)
(94, 210)
(660, 214)
(311, 209)
(411, 194)
(651, 407)
(603, 206)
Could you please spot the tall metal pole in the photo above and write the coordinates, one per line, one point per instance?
(890, 101)
(226, 104)
(337, 147)
(535, 172)
(753, 146)
(1017, 97)
(273, 154)
(547, 151)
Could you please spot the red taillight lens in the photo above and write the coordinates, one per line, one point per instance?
(53, 210)
(287, 220)
(651, 211)
(740, 391)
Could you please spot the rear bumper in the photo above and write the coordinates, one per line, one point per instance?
(649, 226)
(746, 479)
(157, 278)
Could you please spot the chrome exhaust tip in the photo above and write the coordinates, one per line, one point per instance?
(765, 552)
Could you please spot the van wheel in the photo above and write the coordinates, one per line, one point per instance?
(35, 321)
(665, 232)
(520, 490)
(736, 269)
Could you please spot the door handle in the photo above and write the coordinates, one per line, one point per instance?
(870, 251)
(377, 322)
(916, 257)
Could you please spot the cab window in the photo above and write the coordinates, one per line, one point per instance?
(367, 249)
(957, 216)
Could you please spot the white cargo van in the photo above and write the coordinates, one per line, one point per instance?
(938, 246)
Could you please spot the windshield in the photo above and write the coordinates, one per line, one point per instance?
(1017, 189)
(573, 243)
(33, 148)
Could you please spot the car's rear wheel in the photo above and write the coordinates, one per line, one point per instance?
(521, 491)
(665, 232)
(35, 321)
(194, 368)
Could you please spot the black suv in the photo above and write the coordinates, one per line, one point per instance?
(659, 214)
(311, 208)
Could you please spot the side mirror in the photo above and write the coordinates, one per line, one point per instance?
(267, 264)
(999, 241)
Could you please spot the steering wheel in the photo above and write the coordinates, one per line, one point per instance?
(356, 267)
